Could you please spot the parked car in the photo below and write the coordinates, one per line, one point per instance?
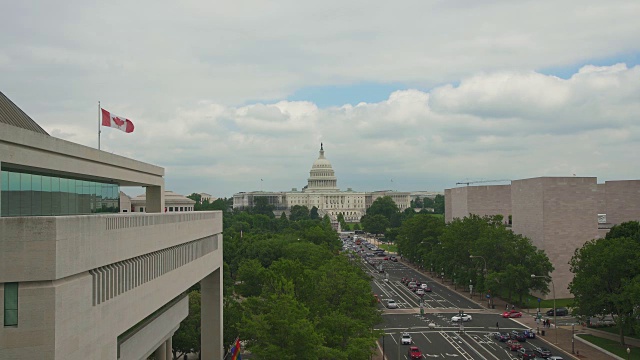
(502, 337)
(513, 345)
(543, 352)
(463, 317)
(559, 312)
(391, 304)
(512, 314)
(526, 354)
(516, 335)
(530, 333)
(393, 258)
(406, 339)
(414, 353)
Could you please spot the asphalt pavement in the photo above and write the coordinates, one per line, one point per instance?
(560, 340)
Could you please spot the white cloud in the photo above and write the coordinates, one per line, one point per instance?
(204, 84)
(491, 126)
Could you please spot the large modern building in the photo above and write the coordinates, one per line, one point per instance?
(558, 214)
(79, 279)
(322, 192)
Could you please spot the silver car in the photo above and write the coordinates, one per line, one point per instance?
(391, 304)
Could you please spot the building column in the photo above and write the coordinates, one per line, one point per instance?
(211, 316)
(169, 347)
(155, 199)
(160, 353)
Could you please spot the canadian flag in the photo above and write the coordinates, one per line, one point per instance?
(115, 121)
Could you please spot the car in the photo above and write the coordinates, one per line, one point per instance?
(406, 339)
(543, 352)
(512, 314)
(420, 291)
(393, 258)
(559, 312)
(412, 285)
(391, 304)
(425, 287)
(414, 353)
(513, 345)
(463, 317)
(516, 335)
(502, 337)
(386, 258)
(526, 354)
(529, 333)
(555, 358)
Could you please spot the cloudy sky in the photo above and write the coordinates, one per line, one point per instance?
(405, 95)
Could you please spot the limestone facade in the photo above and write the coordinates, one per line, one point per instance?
(90, 284)
(322, 192)
(558, 214)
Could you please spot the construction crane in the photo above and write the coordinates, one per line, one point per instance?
(480, 181)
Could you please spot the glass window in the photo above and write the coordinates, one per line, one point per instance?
(4, 196)
(25, 195)
(10, 304)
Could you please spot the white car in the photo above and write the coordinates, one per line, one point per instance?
(463, 317)
(391, 304)
(406, 339)
(420, 291)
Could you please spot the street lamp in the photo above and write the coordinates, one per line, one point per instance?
(555, 310)
(483, 259)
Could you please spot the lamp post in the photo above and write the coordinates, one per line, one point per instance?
(442, 276)
(483, 259)
(555, 310)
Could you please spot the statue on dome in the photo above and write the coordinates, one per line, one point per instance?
(321, 146)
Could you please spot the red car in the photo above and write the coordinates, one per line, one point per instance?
(514, 345)
(511, 314)
(414, 353)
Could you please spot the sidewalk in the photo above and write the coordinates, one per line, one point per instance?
(564, 335)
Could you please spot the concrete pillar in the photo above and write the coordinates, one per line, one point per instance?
(211, 316)
(155, 199)
(169, 347)
(161, 352)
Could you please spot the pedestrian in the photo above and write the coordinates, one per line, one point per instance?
(513, 307)
(497, 326)
(506, 307)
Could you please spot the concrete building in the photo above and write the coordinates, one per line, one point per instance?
(558, 214)
(322, 192)
(79, 279)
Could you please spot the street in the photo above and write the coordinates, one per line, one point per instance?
(431, 327)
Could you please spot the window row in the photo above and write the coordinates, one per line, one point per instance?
(25, 194)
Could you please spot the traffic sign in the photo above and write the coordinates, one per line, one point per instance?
(539, 300)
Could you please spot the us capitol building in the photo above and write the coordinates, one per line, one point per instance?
(322, 192)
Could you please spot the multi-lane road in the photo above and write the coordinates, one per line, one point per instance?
(433, 331)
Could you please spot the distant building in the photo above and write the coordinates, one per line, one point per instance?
(558, 214)
(207, 197)
(322, 192)
(79, 279)
(172, 203)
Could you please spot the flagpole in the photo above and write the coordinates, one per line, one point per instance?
(99, 130)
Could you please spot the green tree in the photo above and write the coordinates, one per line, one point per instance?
(279, 329)
(261, 206)
(438, 204)
(607, 278)
(313, 213)
(357, 226)
(187, 337)
(418, 236)
(386, 207)
(251, 277)
(375, 224)
(299, 212)
(195, 197)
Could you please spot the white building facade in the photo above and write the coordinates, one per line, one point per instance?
(81, 280)
(322, 192)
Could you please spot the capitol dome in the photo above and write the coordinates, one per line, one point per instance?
(321, 177)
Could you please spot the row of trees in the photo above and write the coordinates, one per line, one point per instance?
(287, 291)
(463, 248)
(437, 203)
(607, 277)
